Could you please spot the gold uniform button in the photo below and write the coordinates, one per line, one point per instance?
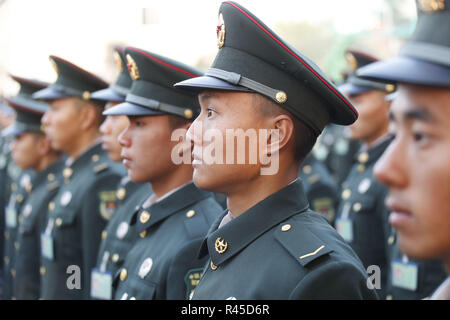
(213, 266)
(307, 169)
(363, 157)
(104, 234)
(391, 240)
(16, 245)
(13, 273)
(58, 222)
(132, 298)
(389, 297)
(95, 158)
(286, 227)
(67, 173)
(6, 259)
(190, 213)
(346, 194)
(51, 206)
(51, 177)
(188, 113)
(145, 216)
(357, 206)
(143, 234)
(42, 271)
(281, 97)
(121, 193)
(361, 167)
(123, 274)
(115, 257)
(6, 235)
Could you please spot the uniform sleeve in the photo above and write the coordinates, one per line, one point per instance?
(185, 271)
(98, 203)
(334, 281)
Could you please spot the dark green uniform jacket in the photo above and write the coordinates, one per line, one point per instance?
(119, 236)
(320, 189)
(279, 249)
(76, 218)
(362, 218)
(19, 188)
(163, 262)
(32, 218)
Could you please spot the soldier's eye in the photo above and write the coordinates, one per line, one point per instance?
(210, 113)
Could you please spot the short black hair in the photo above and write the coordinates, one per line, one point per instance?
(304, 137)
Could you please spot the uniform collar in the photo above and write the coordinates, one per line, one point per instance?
(86, 156)
(368, 155)
(244, 229)
(48, 174)
(185, 197)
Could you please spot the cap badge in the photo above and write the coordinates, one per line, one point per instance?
(118, 61)
(351, 60)
(132, 68)
(54, 65)
(220, 32)
(431, 5)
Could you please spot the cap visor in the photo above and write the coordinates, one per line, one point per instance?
(28, 104)
(407, 70)
(107, 94)
(130, 109)
(352, 89)
(206, 82)
(12, 131)
(49, 93)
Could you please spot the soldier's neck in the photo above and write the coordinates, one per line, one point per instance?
(252, 192)
(47, 161)
(176, 178)
(83, 142)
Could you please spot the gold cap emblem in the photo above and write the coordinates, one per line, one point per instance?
(431, 5)
(86, 95)
(132, 68)
(54, 65)
(220, 32)
(351, 60)
(118, 61)
(390, 88)
(221, 245)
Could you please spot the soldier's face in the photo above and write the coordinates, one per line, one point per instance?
(373, 118)
(110, 130)
(26, 149)
(416, 168)
(63, 123)
(146, 148)
(222, 111)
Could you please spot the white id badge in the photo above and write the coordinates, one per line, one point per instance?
(405, 275)
(47, 246)
(101, 284)
(345, 228)
(11, 217)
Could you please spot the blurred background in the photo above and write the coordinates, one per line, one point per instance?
(84, 31)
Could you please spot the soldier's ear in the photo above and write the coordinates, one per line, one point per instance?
(281, 133)
(89, 116)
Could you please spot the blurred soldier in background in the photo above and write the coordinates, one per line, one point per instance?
(119, 235)
(86, 198)
(362, 215)
(415, 167)
(172, 222)
(31, 150)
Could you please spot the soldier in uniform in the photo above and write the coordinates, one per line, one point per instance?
(162, 264)
(258, 81)
(31, 151)
(362, 215)
(7, 115)
(320, 188)
(118, 236)
(415, 166)
(86, 198)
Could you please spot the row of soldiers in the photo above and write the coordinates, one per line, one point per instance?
(97, 208)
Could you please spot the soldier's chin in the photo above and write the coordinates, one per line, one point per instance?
(205, 180)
